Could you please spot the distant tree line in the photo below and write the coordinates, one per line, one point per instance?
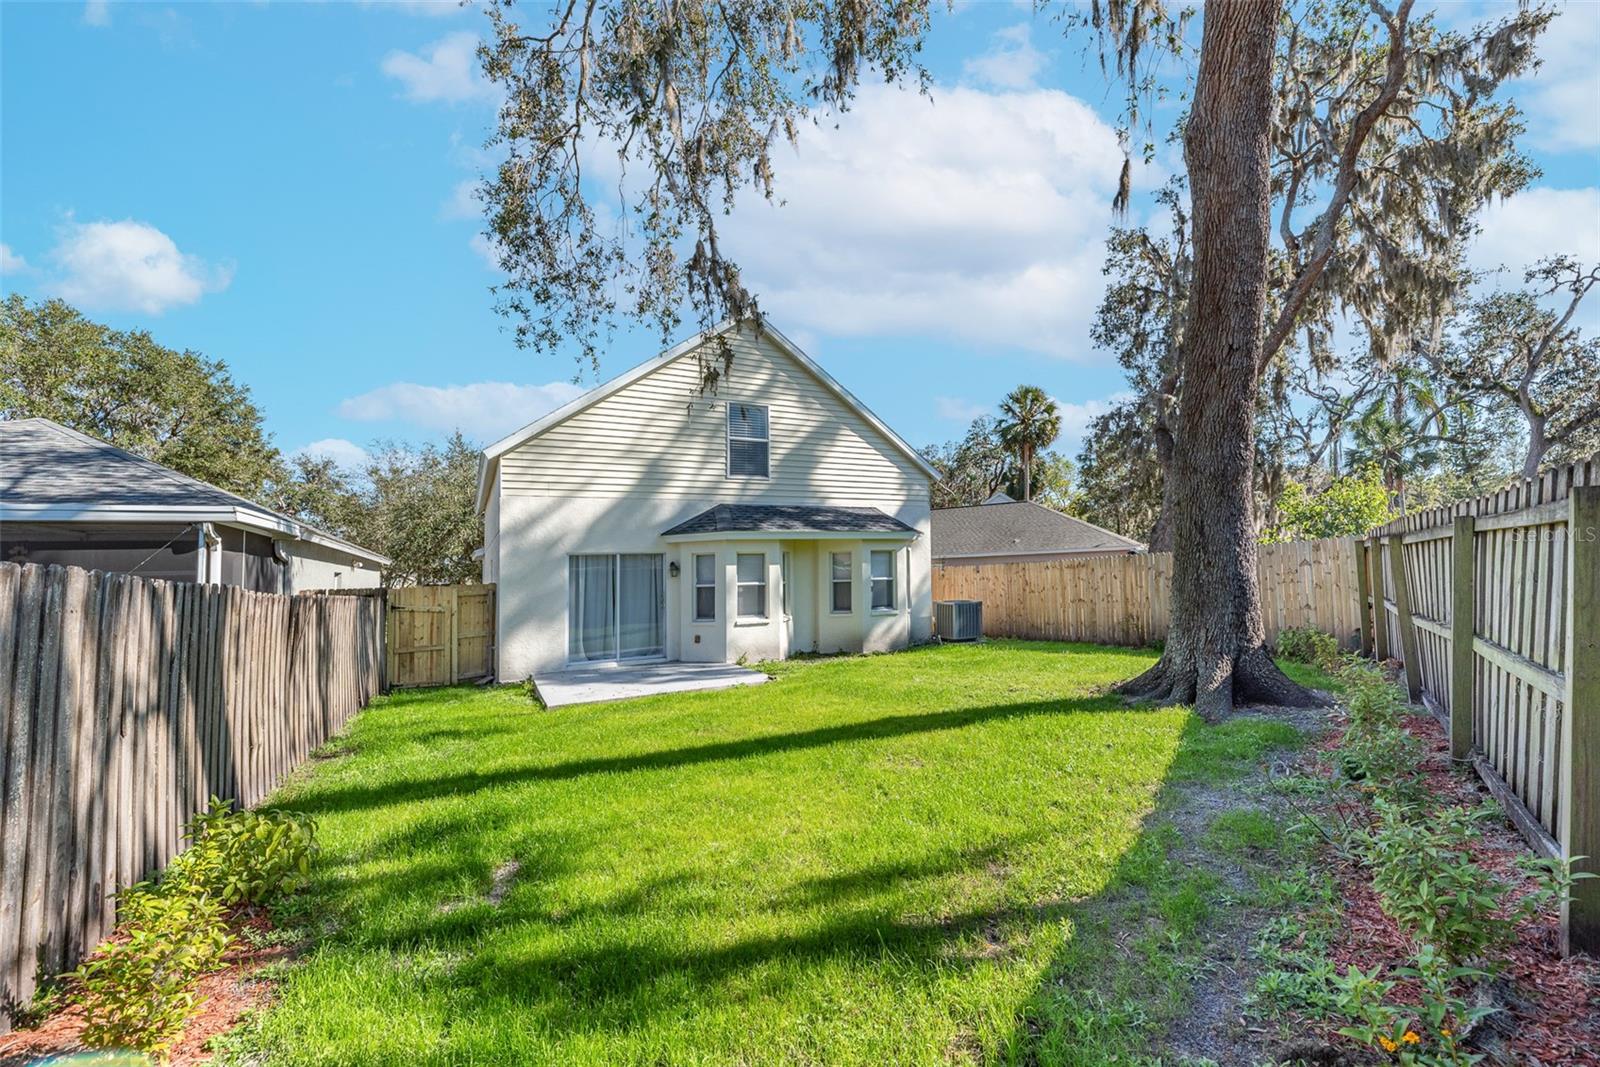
(411, 502)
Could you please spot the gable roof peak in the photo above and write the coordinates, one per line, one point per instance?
(491, 455)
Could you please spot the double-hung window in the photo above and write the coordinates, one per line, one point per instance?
(705, 588)
(752, 585)
(841, 582)
(882, 581)
(748, 441)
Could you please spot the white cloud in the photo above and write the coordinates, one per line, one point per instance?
(1562, 98)
(130, 266)
(462, 203)
(1075, 419)
(97, 13)
(486, 249)
(10, 262)
(345, 454)
(448, 70)
(979, 217)
(1012, 62)
(483, 411)
(955, 409)
(1536, 223)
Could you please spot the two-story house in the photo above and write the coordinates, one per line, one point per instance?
(660, 518)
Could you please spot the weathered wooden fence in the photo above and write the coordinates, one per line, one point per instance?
(1126, 600)
(127, 703)
(1493, 607)
(440, 634)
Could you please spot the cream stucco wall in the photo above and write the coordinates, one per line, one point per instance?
(615, 476)
(314, 566)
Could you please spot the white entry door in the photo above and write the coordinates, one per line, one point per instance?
(616, 607)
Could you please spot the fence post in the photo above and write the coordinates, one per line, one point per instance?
(1463, 605)
(455, 634)
(1363, 594)
(1402, 605)
(1380, 614)
(1580, 726)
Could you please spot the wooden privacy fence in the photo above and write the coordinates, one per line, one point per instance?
(440, 634)
(127, 703)
(1126, 600)
(1493, 607)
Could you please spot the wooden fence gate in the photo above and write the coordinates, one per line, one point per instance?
(440, 634)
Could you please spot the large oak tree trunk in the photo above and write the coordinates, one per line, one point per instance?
(1215, 653)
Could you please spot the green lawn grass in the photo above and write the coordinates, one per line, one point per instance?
(869, 860)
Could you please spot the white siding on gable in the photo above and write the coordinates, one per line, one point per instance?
(658, 436)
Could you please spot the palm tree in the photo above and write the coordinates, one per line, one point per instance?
(1401, 434)
(1030, 423)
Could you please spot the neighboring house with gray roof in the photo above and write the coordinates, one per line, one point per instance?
(659, 518)
(1003, 530)
(69, 498)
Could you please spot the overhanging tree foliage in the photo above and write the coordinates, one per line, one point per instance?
(690, 96)
(1516, 350)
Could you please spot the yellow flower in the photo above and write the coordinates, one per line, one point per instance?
(1388, 1046)
(1445, 1031)
(1411, 1037)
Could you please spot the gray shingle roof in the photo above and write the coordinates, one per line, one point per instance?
(1018, 528)
(46, 465)
(788, 518)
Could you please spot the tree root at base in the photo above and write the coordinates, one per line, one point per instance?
(1215, 684)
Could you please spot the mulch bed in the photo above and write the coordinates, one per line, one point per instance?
(1551, 1004)
(225, 996)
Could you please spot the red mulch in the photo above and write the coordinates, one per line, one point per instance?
(1556, 1007)
(226, 995)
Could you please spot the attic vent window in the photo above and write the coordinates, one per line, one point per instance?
(748, 441)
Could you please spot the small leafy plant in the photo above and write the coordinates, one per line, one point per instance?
(138, 990)
(1307, 644)
(246, 857)
(1430, 1033)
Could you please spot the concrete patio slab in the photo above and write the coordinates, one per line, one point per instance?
(592, 685)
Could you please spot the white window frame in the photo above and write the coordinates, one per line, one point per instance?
(894, 567)
(834, 581)
(699, 585)
(729, 437)
(785, 569)
(740, 585)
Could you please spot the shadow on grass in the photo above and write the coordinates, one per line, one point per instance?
(587, 965)
(352, 797)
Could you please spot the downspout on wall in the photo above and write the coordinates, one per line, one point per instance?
(210, 565)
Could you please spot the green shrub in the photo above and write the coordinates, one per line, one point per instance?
(1429, 1033)
(138, 989)
(1371, 698)
(1386, 760)
(1307, 644)
(246, 857)
(1428, 880)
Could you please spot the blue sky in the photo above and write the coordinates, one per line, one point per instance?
(280, 185)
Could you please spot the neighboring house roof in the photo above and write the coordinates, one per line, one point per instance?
(50, 473)
(1000, 497)
(789, 518)
(491, 455)
(1015, 528)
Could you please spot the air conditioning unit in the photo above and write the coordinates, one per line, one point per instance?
(958, 620)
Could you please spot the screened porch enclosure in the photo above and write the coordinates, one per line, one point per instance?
(616, 607)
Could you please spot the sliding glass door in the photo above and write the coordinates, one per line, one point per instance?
(616, 607)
